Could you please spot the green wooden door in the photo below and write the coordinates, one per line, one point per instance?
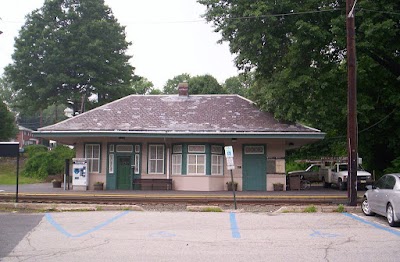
(254, 168)
(124, 172)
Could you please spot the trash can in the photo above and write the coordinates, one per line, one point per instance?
(294, 182)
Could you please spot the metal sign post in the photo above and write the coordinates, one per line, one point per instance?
(11, 149)
(230, 166)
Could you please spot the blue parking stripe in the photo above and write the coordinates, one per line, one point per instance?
(387, 229)
(234, 226)
(67, 234)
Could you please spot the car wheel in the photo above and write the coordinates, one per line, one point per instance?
(390, 216)
(341, 185)
(365, 208)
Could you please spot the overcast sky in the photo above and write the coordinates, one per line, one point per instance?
(168, 37)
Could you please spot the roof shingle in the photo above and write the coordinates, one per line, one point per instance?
(173, 113)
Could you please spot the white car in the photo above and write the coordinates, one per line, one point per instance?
(383, 198)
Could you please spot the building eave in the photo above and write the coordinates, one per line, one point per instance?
(180, 134)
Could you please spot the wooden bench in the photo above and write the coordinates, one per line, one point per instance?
(166, 183)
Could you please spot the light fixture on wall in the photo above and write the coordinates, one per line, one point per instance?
(291, 144)
(121, 138)
(234, 140)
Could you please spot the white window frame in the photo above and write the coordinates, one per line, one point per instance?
(196, 148)
(177, 149)
(90, 148)
(177, 164)
(111, 163)
(196, 164)
(124, 148)
(216, 150)
(219, 164)
(156, 159)
(253, 150)
(137, 164)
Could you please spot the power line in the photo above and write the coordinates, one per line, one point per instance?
(239, 17)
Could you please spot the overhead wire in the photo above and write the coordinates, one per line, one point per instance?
(246, 17)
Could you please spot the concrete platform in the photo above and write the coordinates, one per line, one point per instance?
(47, 188)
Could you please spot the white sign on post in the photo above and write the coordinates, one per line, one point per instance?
(229, 157)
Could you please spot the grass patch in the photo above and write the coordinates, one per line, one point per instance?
(211, 209)
(8, 172)
(310, 209)
(341, 209)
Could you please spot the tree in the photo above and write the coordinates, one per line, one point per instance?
(7, 95)
(171, 87)
(298, 52)
(205, 84)
(67, 51)
(8, 129)
(239, 84)
(141, 85)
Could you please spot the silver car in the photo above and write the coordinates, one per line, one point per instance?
(383, 198)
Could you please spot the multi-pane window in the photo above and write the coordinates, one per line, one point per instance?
(196, 164)
(177, 160)
(92, 154)
(177, 164)
(156, 159)
(137, 163)
(111, 163)
(217, 164)
(217, 160)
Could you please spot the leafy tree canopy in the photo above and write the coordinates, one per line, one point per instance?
(69, 50)
(298, 52)
(171, 87)
(8, 129)
(142, 85)
(239, 84)
(205, 84)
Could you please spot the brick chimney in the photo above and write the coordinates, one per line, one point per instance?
(183, 89)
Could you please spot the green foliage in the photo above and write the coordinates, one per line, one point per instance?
(211, 209)
(239, 84)
(32, 150)
(310, 209)
(171, 87)
(67, 51)
(142, 85)
(394, 166)
(341, 209)
(41, 164)
(301, 71)
(294, 166)
(205, 84)
(8, 129)
(8, 172)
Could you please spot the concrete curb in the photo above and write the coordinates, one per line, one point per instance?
(41, 207)
(319, 209)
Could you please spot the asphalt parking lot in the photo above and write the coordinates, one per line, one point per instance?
(200, 236)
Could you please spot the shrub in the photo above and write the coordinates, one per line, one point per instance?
(30, 151)
(394, 166)
(41, 164)
(341, 208)
(310, 209)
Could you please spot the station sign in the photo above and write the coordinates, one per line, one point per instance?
(229, 157)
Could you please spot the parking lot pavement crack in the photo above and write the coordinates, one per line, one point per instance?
(39, 255)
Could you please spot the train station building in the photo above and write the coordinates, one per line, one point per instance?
(182, 138)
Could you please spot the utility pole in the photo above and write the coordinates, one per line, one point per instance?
(352, 143)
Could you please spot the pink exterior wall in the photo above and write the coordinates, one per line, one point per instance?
(275, 148)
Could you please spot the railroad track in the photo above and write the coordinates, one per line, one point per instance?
(170, 199)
